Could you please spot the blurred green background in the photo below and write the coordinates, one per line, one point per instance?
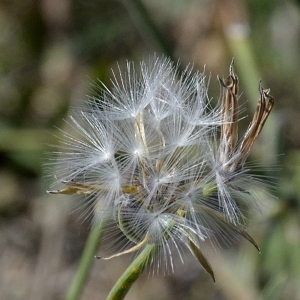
(50, 53)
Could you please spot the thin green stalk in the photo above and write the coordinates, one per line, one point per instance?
(147, 26)
(26, 139)
(145, 258)
(85, 264)
(133, 272)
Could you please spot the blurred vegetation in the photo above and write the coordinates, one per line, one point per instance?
(51, 52)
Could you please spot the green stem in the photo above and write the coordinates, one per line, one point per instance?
(147, 26)
(26, 139)
(133, 272)
(85, 264)
(145, 258)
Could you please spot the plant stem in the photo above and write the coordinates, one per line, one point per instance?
(133, 272)
(147, 26)
(87, 258)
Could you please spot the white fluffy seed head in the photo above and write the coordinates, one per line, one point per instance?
(146, 154)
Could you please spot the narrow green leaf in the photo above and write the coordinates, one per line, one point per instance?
(219, 216)
(203, 261)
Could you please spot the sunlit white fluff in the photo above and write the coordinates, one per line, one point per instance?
(147, 152)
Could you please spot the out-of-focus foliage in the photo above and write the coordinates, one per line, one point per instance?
(50, 54)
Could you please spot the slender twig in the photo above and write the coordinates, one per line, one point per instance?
(147, 26)
(87, 258)
(133, 272)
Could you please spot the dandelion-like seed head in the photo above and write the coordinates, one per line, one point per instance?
(153, 154)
